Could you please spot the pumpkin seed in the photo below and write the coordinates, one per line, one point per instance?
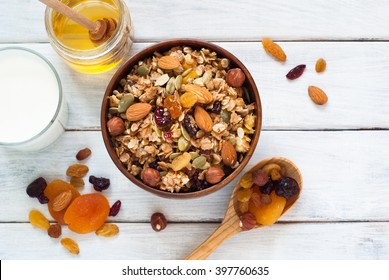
(143, 70)
(170, 85)
(207, 76)
(113, 110)
(186, 72)
(199, 162)
(226, 116)
(125, 102)
(178, 82)
(247, 95)
(174, 155)
(194, 155)
(182, 144)
(205, 166)
(162, 80)
(185, 132)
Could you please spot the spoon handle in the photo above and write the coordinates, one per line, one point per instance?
(229, 227)
(70, 13)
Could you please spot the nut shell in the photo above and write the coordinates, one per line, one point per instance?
(158, 221)
(115, 126)
(214, 174)
(151, 176)
(235, 77)
(247, 221)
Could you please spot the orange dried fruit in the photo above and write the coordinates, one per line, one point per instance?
(77, 170)
(191, 75)
(108, 230)
(173, 106)
(188, 100)
(37, 219)
(273, 49)
(53, 189)
(246, 181)
(321, 65)
(268, 214)
(87, 213)
(70, 245)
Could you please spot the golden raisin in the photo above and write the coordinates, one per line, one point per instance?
(77, 182)
(191, 75)
(70, 245)
(273, 49)
(77, 170)
(108, 230)
(173, 106)
(243, 194)
(246, 181)
(321, 65)
(188, 100)
(37, 219)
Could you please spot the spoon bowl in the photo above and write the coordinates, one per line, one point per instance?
(231, 222)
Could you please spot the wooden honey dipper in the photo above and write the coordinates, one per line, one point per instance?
(99, 31)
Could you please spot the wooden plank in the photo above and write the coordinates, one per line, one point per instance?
(322, 241)
(344, 174)
(355, 82)
(23, 21)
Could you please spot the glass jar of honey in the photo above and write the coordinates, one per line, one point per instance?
(72, 42)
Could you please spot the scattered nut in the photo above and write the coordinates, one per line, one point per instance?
(83, 154)
(214, 174)
(158, 221)
(115, 126)
(318, 96)
(235, 77)
(151, 176)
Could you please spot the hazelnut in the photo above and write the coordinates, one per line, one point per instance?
(235, 77)
(247, 221)
(158, 221)
(115, 126)
(260, 177)
(214, 174)
(150, 176)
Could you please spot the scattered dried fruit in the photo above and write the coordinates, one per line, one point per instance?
(115, 208)
(173, 106)
(188, 100)
(235, 77)
(99, 183)
(36, 187)
(77, 170)
(247, 180)
(273, 49)
(77, 182)
(37, 219)
(321, 65)
(268, 214)
(108, 230)
(70, 245)
(83, 154)
(317, 95)
(296, 72)
(54, 231)
(158, 221)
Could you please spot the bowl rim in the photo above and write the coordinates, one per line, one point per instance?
(162, 46)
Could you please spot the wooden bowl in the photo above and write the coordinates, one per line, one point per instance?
(162, 47)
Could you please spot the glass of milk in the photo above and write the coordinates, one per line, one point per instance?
(33, 112)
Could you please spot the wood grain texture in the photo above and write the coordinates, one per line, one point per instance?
(223, 20)
(350, 241)
(345, 178)
(355, 81)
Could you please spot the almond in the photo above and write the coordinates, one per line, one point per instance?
(203, 119)
(203, 95)
(138, 111)
(62, 200)
(168, 62)
(317, 95)
(228, 154)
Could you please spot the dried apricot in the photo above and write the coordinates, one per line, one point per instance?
(53, 189)
(268, 214)
(70, 245)
(37, 219)
(321, 65)
(273, 49)
(87, 213)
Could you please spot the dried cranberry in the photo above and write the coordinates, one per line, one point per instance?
(268, 187)
(115, 208)
(162, 117)
(217, 107)
(99, 184)
(168, 135)
(37, 187)
(296, 72)
(42, 198)
(287, 187)
(190, 125)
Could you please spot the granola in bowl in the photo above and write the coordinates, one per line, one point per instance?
(182, 120)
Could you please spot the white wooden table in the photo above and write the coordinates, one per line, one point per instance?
(341, 148)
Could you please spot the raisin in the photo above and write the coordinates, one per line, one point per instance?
(173, 106)
(43, 199)
(267, 188)
(217, 107)
(287, 187)
(70, 245)
(190, 125)
(273, 49)
(246, 181)
(108, 230)
(162, 117)
(36, 187)
(188, 99)
(77, 170)
(198, 184)
(115, 208)
(37, 219)
(321, 65)
(296, 72)
(99, 183)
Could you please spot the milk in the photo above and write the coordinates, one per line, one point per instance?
(32, 109)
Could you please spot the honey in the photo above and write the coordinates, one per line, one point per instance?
(72, 41)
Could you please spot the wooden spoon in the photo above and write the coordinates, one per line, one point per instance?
(231, 222)
(99, 31)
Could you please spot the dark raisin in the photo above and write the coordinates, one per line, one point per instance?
(197, 184)
(217, 107)
(36, 187)
(227, 170)
(99, 184)
(287, 187)
(162, 117)
(190, 125)
(154, 164)
(296, 72)
(42, 198)
(115, 208)
(268, 187)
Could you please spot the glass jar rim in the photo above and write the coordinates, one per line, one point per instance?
(60, 96)
(94, 53)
